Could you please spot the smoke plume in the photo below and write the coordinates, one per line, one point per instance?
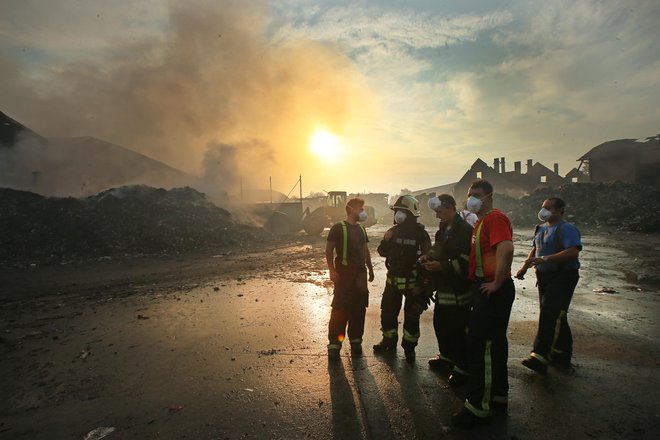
(214, 96)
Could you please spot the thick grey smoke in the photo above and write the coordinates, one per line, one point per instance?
(213, 79)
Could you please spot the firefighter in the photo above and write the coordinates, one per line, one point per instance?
(348, 272)
(448, 262)
(493, 293)
(402, 246)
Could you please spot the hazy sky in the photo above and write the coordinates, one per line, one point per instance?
(414, 91)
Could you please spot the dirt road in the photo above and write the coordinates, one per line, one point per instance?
(232, 346)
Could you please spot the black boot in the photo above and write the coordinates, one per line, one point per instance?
(387, 344)
(410, 354)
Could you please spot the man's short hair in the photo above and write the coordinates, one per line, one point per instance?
(447, 199)
(355, 203)
(557, 203)
(483, 184)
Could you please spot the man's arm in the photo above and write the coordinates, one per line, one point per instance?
(503, 259)
(560, 257)
(330, 260)
(528, 262)
(369, 264)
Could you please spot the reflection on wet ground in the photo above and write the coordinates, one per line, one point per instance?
(244, 356)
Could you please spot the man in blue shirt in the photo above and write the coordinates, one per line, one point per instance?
(554, 254)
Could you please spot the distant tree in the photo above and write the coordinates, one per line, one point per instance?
(313, 194)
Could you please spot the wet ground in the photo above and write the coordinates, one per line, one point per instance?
(232, 346)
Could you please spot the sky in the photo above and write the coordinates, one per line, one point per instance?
(395, 94)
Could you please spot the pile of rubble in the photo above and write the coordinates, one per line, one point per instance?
(126, 221)
(620, 206)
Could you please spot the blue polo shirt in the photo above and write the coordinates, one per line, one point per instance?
(545, 242)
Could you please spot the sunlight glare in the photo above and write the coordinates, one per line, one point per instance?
(325, 145)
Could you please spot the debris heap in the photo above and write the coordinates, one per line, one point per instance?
(125, 221)
(620, 206)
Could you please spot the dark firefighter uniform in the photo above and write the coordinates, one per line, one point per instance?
(452, 294)
(351, 292)
(408, 242)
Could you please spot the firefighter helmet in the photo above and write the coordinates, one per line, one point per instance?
(407, 203)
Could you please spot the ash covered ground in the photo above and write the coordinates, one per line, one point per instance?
(226, 340)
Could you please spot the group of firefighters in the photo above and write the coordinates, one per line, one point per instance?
(467, 273)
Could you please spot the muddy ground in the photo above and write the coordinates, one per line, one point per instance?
(232, 345)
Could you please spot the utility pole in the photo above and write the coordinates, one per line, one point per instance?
(270, 183)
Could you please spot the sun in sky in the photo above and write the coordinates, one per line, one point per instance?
(325, 145)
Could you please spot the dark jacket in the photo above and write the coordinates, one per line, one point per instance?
(409, 242)
(452, 248)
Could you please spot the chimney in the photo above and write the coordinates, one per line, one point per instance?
(529, 165)
(557, 168)
(36, 178)
(517, 166)
(502, 166)
(496, 165)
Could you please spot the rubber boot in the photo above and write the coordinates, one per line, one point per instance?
(387, 344)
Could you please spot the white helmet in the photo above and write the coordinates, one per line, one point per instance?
(408, 203)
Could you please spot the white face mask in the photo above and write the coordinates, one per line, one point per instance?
(473, 204)
(363, 216)
(400, 217)
(544, 215)
(434, 203)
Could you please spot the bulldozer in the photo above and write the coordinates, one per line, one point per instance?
(290, 217)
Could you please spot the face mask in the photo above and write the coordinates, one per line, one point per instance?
(363, 216)
(400, 217)
(544, 215)
(473, 204)
(434, 203)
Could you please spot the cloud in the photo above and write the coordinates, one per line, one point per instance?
(212, 77)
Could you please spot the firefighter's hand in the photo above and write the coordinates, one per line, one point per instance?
(334, 276)
(432, 266)
(371, 274)
(388, 235)
(521, 273)
(489, 287)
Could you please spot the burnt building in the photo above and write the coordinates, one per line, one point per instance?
(625, 160)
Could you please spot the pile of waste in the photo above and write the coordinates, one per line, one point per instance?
(619, 206)
(125, 221)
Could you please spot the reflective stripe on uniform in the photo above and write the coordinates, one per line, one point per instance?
(334, 346)
(389, 333)
(488, 376)
(344, 248)
(356, 341)
(479, 270)
(562, 313)
(407, 336)
(402, 283)
(451, 299)
(543, 360)
(477, 412)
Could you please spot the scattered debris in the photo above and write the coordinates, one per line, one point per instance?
(174, 409)
(602, 290)
(591, 205)
(84, 354)
(99, 433)
(142, 317)
(250, 390)
(271, 352)
(128, 221)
